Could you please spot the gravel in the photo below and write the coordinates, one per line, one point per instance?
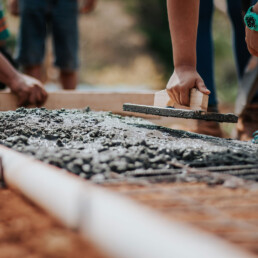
(100, 144)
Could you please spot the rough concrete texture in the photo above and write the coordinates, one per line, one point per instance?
(181, 113)
(100, 145)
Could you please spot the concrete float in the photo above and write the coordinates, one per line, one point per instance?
(115, 223)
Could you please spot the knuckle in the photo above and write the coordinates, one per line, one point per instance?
(177, 88)
(173, 90)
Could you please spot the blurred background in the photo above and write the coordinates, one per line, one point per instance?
(126, 44)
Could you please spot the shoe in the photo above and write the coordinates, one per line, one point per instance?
(209, 127)
(247, 123)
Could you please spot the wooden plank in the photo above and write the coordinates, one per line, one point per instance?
(98, 101)
(198, 100)
(162, 99)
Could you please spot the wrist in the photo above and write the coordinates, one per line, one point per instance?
(188, 59)
(185, 63)
(185, 68)
(255, 8)
(251, 18)
(14, 81)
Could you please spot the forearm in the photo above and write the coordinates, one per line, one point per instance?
(7, 73)
(252, 36)
(255, 8)
(183, 21)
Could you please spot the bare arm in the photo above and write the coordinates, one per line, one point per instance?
(252, 37)
(13, 7)
(183, 21)
(7, 73)
(27, 89)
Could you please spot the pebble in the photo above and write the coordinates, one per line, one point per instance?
(99, 145)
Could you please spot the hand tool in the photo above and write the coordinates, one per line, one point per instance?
(165, 106)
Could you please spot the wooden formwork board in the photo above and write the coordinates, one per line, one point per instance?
(97, 101)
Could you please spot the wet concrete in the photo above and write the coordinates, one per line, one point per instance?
(100, 145)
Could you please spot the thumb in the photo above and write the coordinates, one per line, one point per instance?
(201, 87)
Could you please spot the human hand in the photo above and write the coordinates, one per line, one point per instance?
(28, 90)
(251, 38)
(13, 7)
(182, 81)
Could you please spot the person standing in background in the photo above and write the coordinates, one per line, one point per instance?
(58, 18)
(39, 19)
(27, 89)
(4, 35)
(205, 55)
(183, 21)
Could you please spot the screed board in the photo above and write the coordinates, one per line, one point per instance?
(181, 113)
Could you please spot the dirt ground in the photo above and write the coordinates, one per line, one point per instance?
(230, 214)
(26, 231)
(100, 146)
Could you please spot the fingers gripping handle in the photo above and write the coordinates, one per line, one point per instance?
(198, 100)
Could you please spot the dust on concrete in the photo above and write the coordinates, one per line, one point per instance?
(100, 145)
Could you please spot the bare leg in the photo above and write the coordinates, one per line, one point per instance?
(34, 71)
(68, 79)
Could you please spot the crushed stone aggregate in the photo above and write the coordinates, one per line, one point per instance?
(97, 145)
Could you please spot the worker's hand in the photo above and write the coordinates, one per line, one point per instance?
(13, 7)
(182, 81)
(251, 38)
(28, 90)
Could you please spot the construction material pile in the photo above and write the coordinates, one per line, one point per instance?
(102, 145)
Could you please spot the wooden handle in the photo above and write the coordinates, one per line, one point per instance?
(198, 100)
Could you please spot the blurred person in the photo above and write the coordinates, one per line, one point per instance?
(39, 19)
(205, 54)
(58, 18)
(252, 33)
(3, 49)
(248, 119)
(27, 89)
(183, 21)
